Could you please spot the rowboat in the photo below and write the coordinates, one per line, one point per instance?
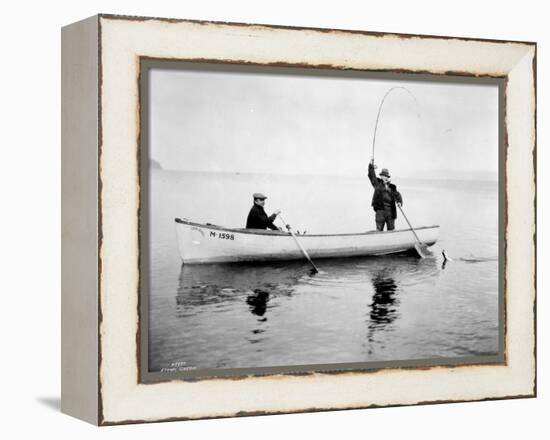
(206, 243)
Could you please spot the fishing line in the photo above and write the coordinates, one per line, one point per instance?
(380, 110)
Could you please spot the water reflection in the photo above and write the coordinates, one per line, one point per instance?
(258, 306)
(390, 278)
(258, 302)
(221, 285)
(260, 289)
(383, 308)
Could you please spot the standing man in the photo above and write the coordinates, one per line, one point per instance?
(384, 199)
(257, 218)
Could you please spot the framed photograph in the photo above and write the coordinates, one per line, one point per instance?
(263, 219)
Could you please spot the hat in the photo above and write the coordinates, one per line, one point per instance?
(258, 196)
(385, 172)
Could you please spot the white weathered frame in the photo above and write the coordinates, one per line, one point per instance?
(100, 135)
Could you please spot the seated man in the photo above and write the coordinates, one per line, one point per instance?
(384, 198)
(257, 218)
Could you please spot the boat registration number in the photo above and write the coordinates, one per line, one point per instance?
(222, 235)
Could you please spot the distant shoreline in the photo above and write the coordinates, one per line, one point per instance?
(473, 178)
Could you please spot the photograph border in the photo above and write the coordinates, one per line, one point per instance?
(148, 63)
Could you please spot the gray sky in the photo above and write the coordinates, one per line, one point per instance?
(267, 123)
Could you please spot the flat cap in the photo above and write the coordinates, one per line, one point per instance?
(259, 196)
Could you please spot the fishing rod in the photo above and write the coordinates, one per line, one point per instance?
(420, 247)
(380, 111)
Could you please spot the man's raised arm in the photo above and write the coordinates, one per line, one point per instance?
(372, 174)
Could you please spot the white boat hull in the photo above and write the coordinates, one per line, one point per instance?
(199, 243)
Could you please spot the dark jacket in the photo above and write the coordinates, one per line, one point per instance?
(258, 219)
(378, 196)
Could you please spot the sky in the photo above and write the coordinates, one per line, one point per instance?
(224, 121)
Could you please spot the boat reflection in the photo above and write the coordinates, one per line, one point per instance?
(223, 284)
(261, 288)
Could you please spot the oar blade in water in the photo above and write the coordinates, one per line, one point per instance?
(422, 250)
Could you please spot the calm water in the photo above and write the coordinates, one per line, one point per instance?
(354, 310)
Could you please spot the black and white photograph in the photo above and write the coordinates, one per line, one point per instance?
(303, 220)
(242, 219)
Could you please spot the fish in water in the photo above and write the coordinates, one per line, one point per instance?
(445, 257)
(467, 260)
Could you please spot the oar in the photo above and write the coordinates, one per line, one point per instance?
(420, 247)
(314, 270)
